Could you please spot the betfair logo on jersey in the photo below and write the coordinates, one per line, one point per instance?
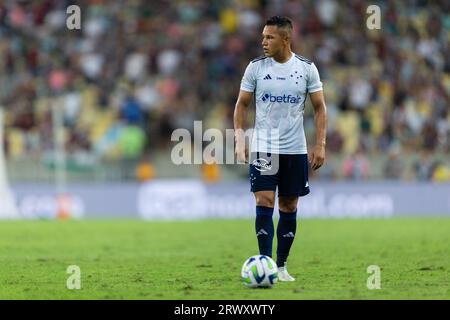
(268, 97)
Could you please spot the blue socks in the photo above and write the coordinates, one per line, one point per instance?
(264, 229)
(287, 226)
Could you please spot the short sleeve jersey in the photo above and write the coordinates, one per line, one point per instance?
(280, 91)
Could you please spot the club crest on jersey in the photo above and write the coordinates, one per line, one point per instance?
(268, 97)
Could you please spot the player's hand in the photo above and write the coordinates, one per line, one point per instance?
(241, 152)
(242, 155)
(317, 157)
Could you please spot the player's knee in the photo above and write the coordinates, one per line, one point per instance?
(288, 208)
(287, 205)
(265, 200)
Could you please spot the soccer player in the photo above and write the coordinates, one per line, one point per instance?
(279, 82)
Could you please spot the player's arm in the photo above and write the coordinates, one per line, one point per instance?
(240, 117)
(317, 157)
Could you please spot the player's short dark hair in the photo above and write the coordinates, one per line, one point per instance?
(280, 22)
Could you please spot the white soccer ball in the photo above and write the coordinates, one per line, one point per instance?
(259, 272)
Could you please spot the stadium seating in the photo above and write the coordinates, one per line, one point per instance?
(149, 69)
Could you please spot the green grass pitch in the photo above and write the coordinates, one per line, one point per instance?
(122, 259)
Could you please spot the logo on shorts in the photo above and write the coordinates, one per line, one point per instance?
(262, 165)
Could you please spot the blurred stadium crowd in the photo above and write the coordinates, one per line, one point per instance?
(139, 69)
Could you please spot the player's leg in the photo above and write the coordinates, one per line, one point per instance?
(287, 227)
(263, 186)
(293, 184)
(264, 228)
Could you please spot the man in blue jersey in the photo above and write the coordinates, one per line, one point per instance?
(279, 83)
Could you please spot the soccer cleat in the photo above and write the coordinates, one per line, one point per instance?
(283, 274)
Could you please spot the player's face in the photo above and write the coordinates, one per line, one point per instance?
(274, 41)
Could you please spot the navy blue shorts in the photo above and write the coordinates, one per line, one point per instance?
(287, 171)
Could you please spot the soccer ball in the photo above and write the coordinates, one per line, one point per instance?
(259, 272)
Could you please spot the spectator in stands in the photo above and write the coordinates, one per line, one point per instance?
(394, 166)
(424, 167)
(131, 111)
(167, 52)
(356, 166)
